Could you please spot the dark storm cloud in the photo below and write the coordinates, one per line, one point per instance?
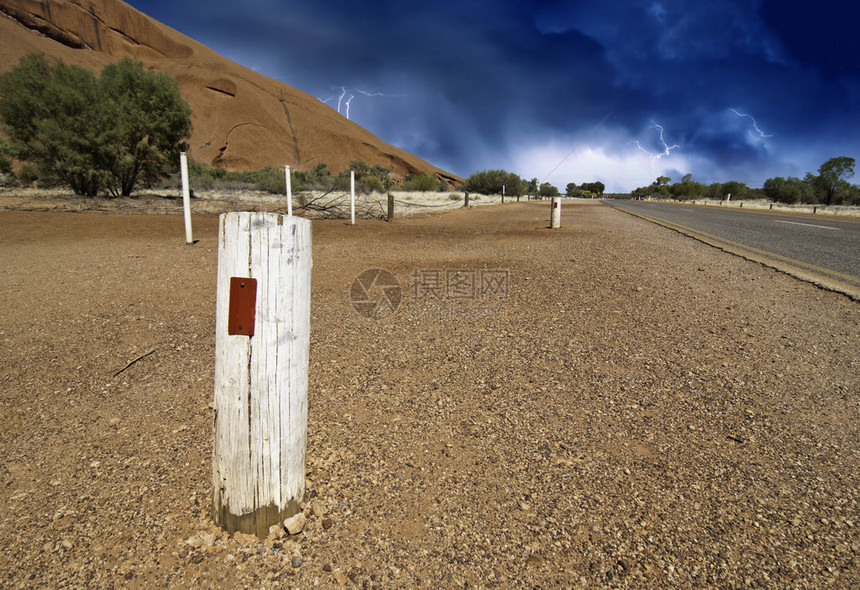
(476, 84)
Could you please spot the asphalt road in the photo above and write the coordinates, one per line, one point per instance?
(823, 250)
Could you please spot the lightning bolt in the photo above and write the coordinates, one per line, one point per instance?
(340, 99)
(346, 97)
(754, 124)
(667, 149)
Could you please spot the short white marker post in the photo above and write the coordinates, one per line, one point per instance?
(555, 217)
(352, 197)
(289, 191)
(262, 323)
(186, 196)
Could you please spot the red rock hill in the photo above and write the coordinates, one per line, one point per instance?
(242, 120)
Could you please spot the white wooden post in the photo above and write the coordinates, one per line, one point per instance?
(186, 196)
(503, 194)
(261, 378)
(289, 191)
(555, 217)
(352, 197)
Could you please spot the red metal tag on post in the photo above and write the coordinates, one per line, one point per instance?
(242, 312)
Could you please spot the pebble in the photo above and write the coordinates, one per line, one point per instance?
(341, 579)
(296, 561)
(194, 541)
(296, 524)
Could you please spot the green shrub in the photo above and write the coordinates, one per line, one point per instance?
(94, 133)
(421, 183)
(27, 175)
(5, 157)
(490, 182)
(271, 180)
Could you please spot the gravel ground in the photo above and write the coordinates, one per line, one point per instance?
(631, 408)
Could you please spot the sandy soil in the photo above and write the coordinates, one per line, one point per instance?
(633, 409)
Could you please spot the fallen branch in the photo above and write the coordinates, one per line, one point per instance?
(143, 356)
(335, 205)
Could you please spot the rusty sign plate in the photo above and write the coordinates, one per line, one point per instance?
(243, 306)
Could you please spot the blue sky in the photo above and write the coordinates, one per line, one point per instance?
(565, 91)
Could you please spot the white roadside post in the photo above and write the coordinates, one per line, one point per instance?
(262, 324)
(555, 217)
(186, 196)
(289, 191)
(352, 197)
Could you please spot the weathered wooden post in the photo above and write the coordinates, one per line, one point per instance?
(289, 191)
(555, 217)
(262, 324)
(186, 196)
(390, 207)
(352, 197)
(466, 201)
(503, 194)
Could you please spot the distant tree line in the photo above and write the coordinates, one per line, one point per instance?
(829, 187)
(497, 182)
(493, 182)
(586, 190)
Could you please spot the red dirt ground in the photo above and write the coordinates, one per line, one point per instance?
(639, 410)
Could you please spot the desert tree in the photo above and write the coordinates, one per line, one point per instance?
(490, 182)
(93, 133)
(48, 115)
(687, 188)
(596, 188)
(833, 178)
(145, 122)
(547, 190)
